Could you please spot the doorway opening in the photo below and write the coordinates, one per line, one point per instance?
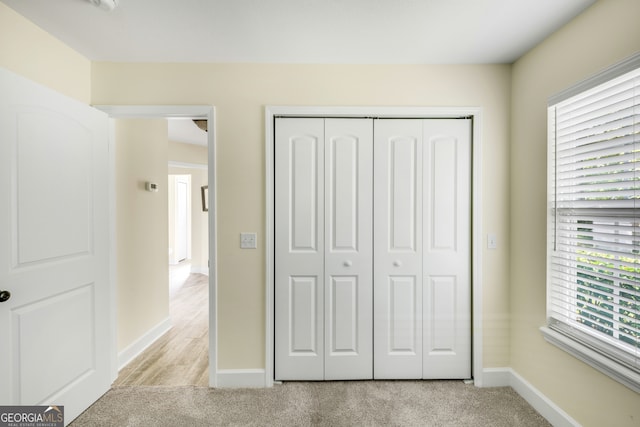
(194, 286)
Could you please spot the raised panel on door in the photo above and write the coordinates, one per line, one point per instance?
(299, 249)
(56, 330)
(38, 326)
(348, 252)
(447, 249)
(303, 323)
(398, 249)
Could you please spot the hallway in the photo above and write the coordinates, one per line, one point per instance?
(181, 356)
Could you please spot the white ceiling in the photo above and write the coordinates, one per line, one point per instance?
(186, 131)
(303, 31)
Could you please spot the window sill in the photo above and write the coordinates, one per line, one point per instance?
(593, 358)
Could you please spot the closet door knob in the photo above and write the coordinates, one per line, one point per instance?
(348, 263)
(4, 296)
(397, 263)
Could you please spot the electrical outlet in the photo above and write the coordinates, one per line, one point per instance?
(248, 241)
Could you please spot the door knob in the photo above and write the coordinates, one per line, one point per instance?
(348, 263)
(397, 263)
(4, 296)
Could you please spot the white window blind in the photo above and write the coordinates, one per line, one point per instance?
(593, 265)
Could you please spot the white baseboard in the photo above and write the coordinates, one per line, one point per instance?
(241, 378)
(496, 377)
(541, 403)
(141, 344)
(491, 377)
(201, 270)
(502, 377)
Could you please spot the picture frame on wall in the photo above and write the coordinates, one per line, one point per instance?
(204, 191)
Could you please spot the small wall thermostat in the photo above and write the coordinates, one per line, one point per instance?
(152, 187)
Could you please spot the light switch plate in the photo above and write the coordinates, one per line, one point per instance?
(248, 241)
(492, 241)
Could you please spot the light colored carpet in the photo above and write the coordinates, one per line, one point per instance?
(354, 403)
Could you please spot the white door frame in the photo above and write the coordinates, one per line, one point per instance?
(475, 113)
(207, 112)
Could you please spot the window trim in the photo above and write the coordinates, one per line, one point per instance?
(584, 348)
(610, 73)
(592, 357)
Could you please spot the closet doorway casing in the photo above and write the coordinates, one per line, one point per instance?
(401, 147)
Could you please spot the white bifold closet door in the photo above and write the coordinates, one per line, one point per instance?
(372, 248)
(422, 254)
(323, 249)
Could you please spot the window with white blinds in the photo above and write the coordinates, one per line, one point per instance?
(593, 265)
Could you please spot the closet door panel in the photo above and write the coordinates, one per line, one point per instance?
(299, 251)
(303, 170)
(343, 316)
(398, 249)
(349, 252)
(402, 316)
(447, 249)
(402, 166)
(303, 324)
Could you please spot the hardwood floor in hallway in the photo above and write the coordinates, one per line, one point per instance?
(181, 356)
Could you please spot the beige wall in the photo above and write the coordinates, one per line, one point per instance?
(195, 154)
(188, 153)
(29, 51)
(240, 93)
(141, 227)
(603, 35)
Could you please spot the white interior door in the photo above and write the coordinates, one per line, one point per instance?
(398, 249)
(323, 249)
(348, 251)
(56, 328)
(299, 252)
(409, 240)
(422, 249)
(182, 218)
(447, 249)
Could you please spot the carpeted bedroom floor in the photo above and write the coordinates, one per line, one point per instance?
(353, 403)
